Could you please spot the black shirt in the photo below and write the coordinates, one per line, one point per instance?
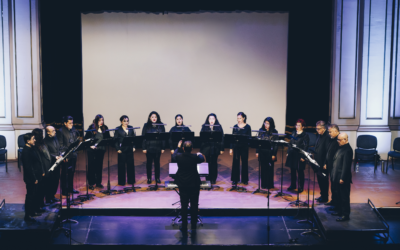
(187, 174)
(66, 137)
(119, 137)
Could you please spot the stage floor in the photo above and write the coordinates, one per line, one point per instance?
(383, 189)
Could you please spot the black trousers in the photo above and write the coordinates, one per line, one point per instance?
(189, 194)
(95, 166)
(334, 191)
(153, 157)
(53, 182)
(48, 188)
(323, 183)
(343, 204)
(212, 161)
(240, 153)
(41, 193)
(126, 167)
(267, 171)
(30, 199)
(70, 168)
(300, 172)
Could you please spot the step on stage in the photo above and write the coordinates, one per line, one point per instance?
(15, 231)
(365, 220)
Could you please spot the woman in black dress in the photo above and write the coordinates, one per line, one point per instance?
(211, 150)
(295, 160)
(152, 148)
(240, 151)
(96, 153)
(267, 156)
(178, 122)
(126, 164)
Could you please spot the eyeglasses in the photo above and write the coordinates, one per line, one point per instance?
(339, 140)
(318, 129)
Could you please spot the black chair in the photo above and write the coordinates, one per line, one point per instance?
(395, 153)
(21, 144)
(3, 150)
(312, 142)
(366, 145)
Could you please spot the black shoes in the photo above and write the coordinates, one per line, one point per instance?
(29, 219)
(336, 214)
(234, 183)
(91, 187)
(329, 203)
(36, 214)
(343, 218)
(148, 181)
(291, 187)
(300, 190)
(99, 186)
(40, 210)
(245, 183)
(318, 198)
(56, 200)
(322, 200)
(333, 209)
(158, 181)
(75, 191)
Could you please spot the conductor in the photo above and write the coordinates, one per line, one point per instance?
(188, 180)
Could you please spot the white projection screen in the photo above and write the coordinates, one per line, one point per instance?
(190, 64)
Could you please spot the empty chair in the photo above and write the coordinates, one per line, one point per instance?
(21, 144)
(366, 145)
(3, 150)
(395, 153)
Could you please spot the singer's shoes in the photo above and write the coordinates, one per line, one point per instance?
(245, 183)
(148, 181)
(91, 187)
(291, 188)
(336, 214)
(343, 218)
(300, 190)
(56, 200)
(75, 191)
(329, 203)
(99, 186)
(234, 183)
(158, 181)
(317, 199)
(322, 200)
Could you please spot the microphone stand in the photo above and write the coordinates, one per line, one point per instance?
(281, 193)
(298, 202)
(86, 196)
(261, 136)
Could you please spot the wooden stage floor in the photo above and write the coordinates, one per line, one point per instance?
(383, 189)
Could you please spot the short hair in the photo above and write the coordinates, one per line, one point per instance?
(187, 145)
(28, 137)
(321, 123)
(303, 123)
(243, 115)
(123, 118)
(334, 126)
(67, 118)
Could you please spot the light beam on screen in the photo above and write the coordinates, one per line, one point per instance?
(189, 64)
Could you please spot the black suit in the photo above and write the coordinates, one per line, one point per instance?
(44, 186)
(153, 149)
(293, 159)
(126, 164)
(342, 171)
(96, 156)
(33, 171)
(188, 180)
(54, 176)
(321, 149)
(211, 151)
(65, 138)
(333, 147)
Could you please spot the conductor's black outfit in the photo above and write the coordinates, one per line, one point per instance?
(126, 164)
(333, 147)
(321, 149)
(153, 148)
(96, 156)
(174, 144)
(211, 150)
(65, 138)
(265, 158)
(33, 171)
(54, 176)
(240, 151)
(342, 171)
(188, 180)
(293, 159)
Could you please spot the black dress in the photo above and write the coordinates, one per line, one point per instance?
(211, 150)
(265, 158)
(174, 144)
(240, 152)
(96, 156)
(153, 149)
(294, 156)
(126, 166)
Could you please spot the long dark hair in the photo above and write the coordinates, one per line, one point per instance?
(242, 115)
(149, 122)
(176, 124)
(271, 124)
(95, 124)
(216, 119)
(38, 133)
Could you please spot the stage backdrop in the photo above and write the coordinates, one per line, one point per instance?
(190, 64)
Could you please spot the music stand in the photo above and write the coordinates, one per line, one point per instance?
(260, 144)
(156, 137)
(242, 140)
(84, 146)
(182, 136)
(281, 193)
(211, 137)
(129, 141)
(298, 202)
(106, 143)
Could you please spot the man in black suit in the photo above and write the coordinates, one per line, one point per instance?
(66, 135)
(188, 181)
(55, 153)
(342, 176)
(33, 174)
(328, 165)
(321, 148)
